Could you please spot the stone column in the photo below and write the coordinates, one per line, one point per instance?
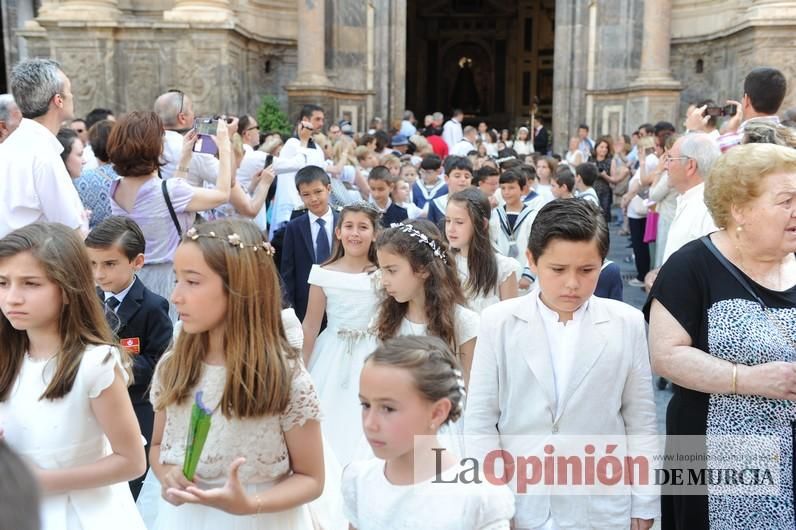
(654, 95)
(200, 12)
(89, 11)
(656, 43)
(311, 43)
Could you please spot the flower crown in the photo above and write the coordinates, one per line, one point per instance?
(233, 239)
(423, 238)
(460, 384)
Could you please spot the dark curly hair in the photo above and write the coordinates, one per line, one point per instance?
(442, 289)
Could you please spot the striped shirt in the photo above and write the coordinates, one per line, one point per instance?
(729, 140)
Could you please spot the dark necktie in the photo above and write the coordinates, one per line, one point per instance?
(321, 243)
(110, 313)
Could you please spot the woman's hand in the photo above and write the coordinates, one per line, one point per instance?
(641, 524)
(267, 176)
(173, 481)
(222, 137)
(188, 142)
(774, 380)
(230, 498)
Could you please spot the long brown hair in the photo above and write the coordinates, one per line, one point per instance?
(82, 320)
(373, 215)
(481, 261)
(258, 355)
(442, 289)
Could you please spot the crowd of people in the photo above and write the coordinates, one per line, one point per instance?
(207, 325)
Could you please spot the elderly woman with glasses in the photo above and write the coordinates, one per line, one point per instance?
(722, 316)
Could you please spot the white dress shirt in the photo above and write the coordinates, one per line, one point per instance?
(120, 295)
(462, 147)
(34, 183)
(315, 228)
(287, 197)
(452, 132)
(692, 220)
(562, 340)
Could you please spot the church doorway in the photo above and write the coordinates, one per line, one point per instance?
(491, 58)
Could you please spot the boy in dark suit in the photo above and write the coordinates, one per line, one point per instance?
(381, 184)
(138, 317)
(308, 237)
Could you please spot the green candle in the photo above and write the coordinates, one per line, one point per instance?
(197, 435)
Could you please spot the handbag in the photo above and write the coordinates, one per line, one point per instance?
(651, 228)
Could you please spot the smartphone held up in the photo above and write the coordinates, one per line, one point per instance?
(206, 128)
(720, 112)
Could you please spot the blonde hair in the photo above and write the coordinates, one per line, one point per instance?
(342, 151)
(737, 176)
(422, 147)
(81, 323)
(258, 354)
(362, 152)
(390, 160)
(271, 144)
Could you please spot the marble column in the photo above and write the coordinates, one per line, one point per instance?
(89, 11)
(656, 46)
(654, 95)
(201, 12)
(311, 43)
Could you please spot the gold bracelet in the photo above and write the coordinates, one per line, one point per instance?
(734, 378)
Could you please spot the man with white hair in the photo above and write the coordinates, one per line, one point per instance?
(34, 183)
(9, 116)
(690, 161)
(408, 128)
(466, 143)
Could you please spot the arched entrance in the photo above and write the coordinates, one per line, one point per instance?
(493, 58)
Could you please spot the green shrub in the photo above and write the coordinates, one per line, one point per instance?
(271, 118)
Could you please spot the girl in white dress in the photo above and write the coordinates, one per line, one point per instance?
(263, 457)
(345, 289)
(64, 404)
(425, 297)
(486, 276)
(409, 387)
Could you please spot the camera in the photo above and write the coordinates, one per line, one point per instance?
(719, 112)
(205, 127)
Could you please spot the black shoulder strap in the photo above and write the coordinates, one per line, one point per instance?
(731, 269)
(170, 207)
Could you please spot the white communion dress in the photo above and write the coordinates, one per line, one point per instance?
(339, 354)
(63, 433)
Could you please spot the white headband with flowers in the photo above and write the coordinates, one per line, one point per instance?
(423, 238)
(233, 240)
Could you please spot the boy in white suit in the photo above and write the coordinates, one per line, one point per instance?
(560, 361)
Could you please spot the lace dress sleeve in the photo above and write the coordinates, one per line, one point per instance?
(304, 404)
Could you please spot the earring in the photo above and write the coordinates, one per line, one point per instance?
(432, 426)
(739, 228)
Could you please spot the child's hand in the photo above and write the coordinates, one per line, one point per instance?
(641, 524)
(174, 481)
(525, 283)
(230, 498)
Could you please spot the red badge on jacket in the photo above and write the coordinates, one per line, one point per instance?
(132, 345)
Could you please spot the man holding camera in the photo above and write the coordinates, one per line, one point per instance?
(302, 148)
(175, 109)
(764, 90)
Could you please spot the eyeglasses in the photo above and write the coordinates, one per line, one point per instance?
(669, 159)
(182, 96)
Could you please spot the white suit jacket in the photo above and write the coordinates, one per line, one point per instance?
(609, 392)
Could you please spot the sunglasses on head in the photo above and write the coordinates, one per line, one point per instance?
(182, 97)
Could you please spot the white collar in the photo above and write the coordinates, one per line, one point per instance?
(121, 294)
(691, 193)
(328, 217)
(389, 203)
(35, 128)
(551, 316)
